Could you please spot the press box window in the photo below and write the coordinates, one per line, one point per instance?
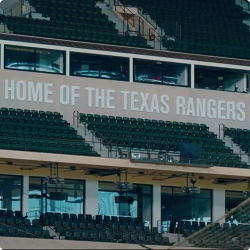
(106, 67)
(161, 73)
(31, 59)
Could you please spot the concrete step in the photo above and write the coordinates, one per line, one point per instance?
(246, 8)
(51, 231)
(156, 45)
(92, 140)
(112, 16)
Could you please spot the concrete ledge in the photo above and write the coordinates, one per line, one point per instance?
(99, 162)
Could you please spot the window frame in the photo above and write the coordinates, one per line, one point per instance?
(35, 59)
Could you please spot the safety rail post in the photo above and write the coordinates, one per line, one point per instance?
(156, 35)
(77, 116)
(222, 127)
(126, 12)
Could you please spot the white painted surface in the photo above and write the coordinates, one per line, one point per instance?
(91, 201)
(25, 203)
(156, 204)
(219, 205)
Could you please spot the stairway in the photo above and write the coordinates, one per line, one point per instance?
(122, 26)
(92, 140)
(236, 149)
(112, 16)
(246, 8)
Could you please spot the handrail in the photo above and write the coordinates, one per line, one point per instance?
(157, 37)
(222, 127)
(34, 211)
(77, 115)
(145, 15)
(126, 18)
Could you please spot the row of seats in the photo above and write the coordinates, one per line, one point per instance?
(15, 225)
(39, 131)
(209, 27)
(230, 236)
(186, 227)
(139, 134)
(79, 21)
(239, 136)
(102, 228)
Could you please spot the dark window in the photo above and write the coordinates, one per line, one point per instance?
(220, 79)
(107, 67)
(163, 73)
(139, 205)
(11, 192)
(177, 205)
(64, 198)
(31, 59)
(233, 199)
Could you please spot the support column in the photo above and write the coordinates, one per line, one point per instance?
(131, 69)
(219, 205)
(25, 201)
(91, 200)
(67, 63)
(156, 204)
(192, 76)
(2, 57)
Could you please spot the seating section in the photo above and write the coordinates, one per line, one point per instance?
(227, 236)
(79, 20)
(240, 136)
(139, 134)
(209, 27)
(15, 225)
(39, 131)
(102, 228)
(186, 228)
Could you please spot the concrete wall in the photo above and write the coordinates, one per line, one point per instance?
(219, 205)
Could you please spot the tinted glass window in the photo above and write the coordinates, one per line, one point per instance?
(10, 192)
(177, 205)
(19, 58)
(156, 72)
(84, 65)
(107, 67)
(138, 205)
(39, 60)
(233, 199)
(45, 197)
(49, 61)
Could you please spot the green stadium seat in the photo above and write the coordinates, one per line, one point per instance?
(39, 131)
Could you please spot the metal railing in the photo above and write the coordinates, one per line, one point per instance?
(155, 37)
(222, 129)
(33, 215)
(146, 17)
(129, 19)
